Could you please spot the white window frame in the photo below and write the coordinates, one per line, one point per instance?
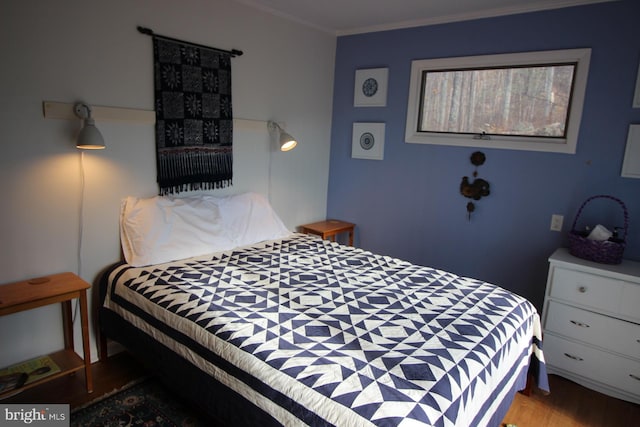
(558, 145)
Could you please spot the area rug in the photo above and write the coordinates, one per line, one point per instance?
(145, 403)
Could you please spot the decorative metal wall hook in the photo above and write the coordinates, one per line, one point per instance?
(477, 189)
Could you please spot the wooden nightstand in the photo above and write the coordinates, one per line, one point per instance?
(329, 228)
(62, 288)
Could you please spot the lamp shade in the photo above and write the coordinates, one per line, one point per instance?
(287, 142)
(89, 137)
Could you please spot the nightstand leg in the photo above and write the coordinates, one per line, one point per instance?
(67, 324)
(84, 318)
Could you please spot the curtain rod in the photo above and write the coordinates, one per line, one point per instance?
(149, 32)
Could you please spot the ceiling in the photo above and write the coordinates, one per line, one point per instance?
(343, 17)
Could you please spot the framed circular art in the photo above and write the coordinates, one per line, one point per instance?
(368, 141)
(370, 88)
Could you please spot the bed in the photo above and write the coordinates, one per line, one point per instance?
(281, 328)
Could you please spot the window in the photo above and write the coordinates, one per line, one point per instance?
(523, 101)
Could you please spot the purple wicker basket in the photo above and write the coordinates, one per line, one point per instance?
(605, 252)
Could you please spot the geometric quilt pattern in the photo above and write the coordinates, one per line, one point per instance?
(393, 342)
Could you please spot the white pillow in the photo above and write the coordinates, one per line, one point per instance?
(249, 219)
(162, 229)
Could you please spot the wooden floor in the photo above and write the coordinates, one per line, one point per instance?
(568, 405)
(571, 405)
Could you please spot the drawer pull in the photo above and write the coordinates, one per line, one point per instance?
(582, 289)
(582, 325)
(572, 357)
(635, 377)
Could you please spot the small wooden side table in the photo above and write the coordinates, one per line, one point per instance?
(62, 288)
(329, 228)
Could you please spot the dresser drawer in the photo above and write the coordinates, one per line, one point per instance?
(602, 331)
(597, 365)
(599, 292)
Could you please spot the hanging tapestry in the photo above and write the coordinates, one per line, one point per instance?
(194, 120)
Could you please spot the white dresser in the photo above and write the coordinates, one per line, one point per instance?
(591, 322)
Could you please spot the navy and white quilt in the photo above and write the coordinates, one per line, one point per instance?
(334, 335)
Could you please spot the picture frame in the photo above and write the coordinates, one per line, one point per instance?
(631, 161)
(367, 141)
(370, 88)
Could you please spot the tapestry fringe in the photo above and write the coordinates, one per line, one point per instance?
(191, 170)
(195, 186)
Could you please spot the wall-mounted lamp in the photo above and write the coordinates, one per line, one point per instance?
(285, 141)
(89, 137)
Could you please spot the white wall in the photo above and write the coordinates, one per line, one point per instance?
(71, 50)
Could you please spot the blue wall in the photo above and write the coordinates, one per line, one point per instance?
(409, 205)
